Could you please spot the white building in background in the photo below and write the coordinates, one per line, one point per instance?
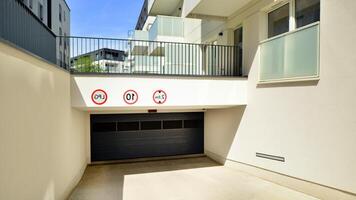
(55, 14)
(102, 60)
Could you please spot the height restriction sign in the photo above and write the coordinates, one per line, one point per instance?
(159, 97)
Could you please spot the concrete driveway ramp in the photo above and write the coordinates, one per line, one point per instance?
(179, 179)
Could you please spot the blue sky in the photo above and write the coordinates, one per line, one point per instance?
(104, 18)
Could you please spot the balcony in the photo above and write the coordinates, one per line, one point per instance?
(291, 56)
(139, 46)
(166, 27)
(178, 59)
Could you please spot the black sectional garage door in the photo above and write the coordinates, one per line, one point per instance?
(115, 137)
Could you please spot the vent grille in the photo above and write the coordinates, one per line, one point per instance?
(270, 157)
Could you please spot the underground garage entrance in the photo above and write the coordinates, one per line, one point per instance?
(131, 136)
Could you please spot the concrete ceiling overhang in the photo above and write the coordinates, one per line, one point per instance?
(163, 7)
(221, 8)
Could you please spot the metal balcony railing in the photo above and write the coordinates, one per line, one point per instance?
(21, 27)
(122, 56)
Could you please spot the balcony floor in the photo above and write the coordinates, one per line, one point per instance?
(189, 178)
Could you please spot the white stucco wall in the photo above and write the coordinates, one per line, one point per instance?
(42, 139)
(311, 124)
(182, 93)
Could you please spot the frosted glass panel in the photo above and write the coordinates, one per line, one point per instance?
(167, 26)
(170, 26)
(295, 55)
(148, 64)
(140, 35)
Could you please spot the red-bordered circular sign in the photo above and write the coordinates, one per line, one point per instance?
(99, 97)
(159, 97)
(130, 97)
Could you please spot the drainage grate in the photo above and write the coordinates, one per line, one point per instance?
(270, 157)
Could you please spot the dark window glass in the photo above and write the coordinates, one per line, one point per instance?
(176, 124)
(239, 51)
(65, 41)
(104, 127)
(31, 4)
(278, 21)
(307, 12)
(60, 12)
(150, 125)
(40, 11)
(128, 126)
(60, 34)
(193, 124)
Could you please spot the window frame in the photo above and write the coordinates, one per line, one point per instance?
(275, 7)
(292, 29)
(292, 16)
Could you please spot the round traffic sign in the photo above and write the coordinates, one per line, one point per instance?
(159, 97)
(99, 97)
(130, 97)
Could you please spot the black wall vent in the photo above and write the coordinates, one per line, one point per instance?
(270, 157)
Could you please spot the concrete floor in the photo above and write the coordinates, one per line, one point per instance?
(180, 179)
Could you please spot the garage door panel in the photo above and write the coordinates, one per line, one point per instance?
(146, 135)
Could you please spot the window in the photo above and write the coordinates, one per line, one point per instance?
(104, 127)
(65, 40)
(278, 21)
(150, 125)
(60, 12)
(60, 34)
(238, 55)
(174, 124)
(307, 12)
(40, 11)
(30, 4)
(64, 15)
(294, 55)
(128, 126)
(304, 12)
(60, 58)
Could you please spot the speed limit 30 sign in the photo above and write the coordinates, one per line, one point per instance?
(130, 97)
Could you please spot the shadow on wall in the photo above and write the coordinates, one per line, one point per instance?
(127, 180)
(77, 97)
(221, 128)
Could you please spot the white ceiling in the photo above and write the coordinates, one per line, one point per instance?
(221, 8)
(164, 7)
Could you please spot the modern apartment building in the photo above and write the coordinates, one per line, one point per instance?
(55, 15)
(265, 87)
(102, 60)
